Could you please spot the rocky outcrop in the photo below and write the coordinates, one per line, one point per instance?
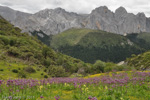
(53, 21)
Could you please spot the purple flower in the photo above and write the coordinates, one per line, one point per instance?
(1, 82)
(57, 97)
(41, 97)
(90, 97)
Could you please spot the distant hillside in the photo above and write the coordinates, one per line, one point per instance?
(24, 55)
(91, 45)
(142, 40)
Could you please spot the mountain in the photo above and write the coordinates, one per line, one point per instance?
(21, 53)
(91, 45)
(54, 21)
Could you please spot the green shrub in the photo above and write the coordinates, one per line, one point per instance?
(45, 76)
(42, 74)
(12, 42)
(99, 66)
(29, 70)
(45, 70)
(15, 70)
(22, 74)
(19, 68)
(56, 71)
(13, 51)
(5, 40)
(1, 69)
(108, 69)
(120, 68)
(46, 62)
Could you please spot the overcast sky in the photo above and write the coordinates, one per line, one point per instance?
(78, 6)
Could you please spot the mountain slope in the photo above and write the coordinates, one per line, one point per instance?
(140, 62)
(54, 21)
(91, 45)
(20, 49)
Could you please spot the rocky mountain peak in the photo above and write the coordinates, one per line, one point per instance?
(59, 10)
(141, 15)
(54, 21)
(101, 10)
(121, 11)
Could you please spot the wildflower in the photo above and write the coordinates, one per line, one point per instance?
(40, 87)
(92, 98)
(1, 82)
(10, 97)
(57, 97)
(41, 97)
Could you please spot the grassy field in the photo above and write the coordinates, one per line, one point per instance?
(6, 70)
(108, 86)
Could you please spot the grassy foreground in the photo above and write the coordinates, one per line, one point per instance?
(114, 86)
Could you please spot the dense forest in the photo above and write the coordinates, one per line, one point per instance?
(91, 45)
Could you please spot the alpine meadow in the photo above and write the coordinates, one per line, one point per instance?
(48, 52)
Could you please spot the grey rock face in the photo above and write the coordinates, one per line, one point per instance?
(54, 21)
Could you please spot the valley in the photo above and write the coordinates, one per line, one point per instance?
(55, 54)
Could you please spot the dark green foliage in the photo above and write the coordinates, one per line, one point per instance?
(29, 70)
(13, 51)
(45, 76)
(5, 40)
(22, 74)
(19, 68)
(99, 66)
(142, 39)
(58, 71)
(15, 70)
(120, 68)
(44, 38)
(91, 45)
(108, 69)
(42, 74)
(1, 69)
(46, 51)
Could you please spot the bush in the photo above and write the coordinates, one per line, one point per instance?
(29, 70)
(19, 68)
(46, 62)
(5, 40)
(56, 71)
(13, 51)
(15, 70)
(108, 69)
(22, 74)
(45, 76)
(1, 69)
(120, 68)
(42, 74)
(45, 70)
(99, 66)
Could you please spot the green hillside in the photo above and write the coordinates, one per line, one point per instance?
(140, 62)
(22, 55)
(91, 45)
(142, 40)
